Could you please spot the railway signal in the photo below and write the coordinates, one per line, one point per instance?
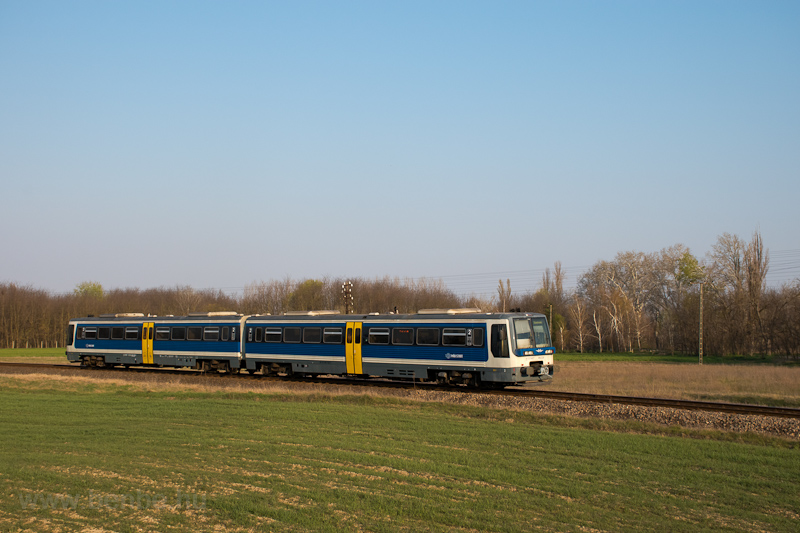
(347, 296)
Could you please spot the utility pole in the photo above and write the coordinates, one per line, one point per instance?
(701, 324)
(347, 296)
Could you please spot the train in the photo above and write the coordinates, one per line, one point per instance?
(449, 346)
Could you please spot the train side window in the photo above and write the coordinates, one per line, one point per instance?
(477, 337)
(272, 335)
(103, 333)
(211, 333)
(454, 337)
(403, 336)
(378, 336)
(179, 334)
(194, 333)
(259, 334)
(90, 333)
(499, 341)
(312, 335)
(332, 336)
(79, 335)
(226, 333)
(162, 333)
(291, 335)
(132, 334)
(117, 333)
(428, 336)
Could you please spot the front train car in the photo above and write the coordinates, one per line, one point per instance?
(452, 346)
(530, 351)
(490, 349)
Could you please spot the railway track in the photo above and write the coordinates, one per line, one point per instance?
(694, 405)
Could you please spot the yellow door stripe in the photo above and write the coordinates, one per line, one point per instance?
(348, 347)
(357, 367)
(147, 342)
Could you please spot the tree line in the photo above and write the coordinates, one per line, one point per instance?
(635, 302)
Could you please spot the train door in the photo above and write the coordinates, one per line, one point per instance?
(353, 348)
(147, 342)
(499, 340)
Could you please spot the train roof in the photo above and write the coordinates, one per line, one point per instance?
(422, 314)
(128, 317)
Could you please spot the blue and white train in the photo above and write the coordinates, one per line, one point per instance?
(454, 346)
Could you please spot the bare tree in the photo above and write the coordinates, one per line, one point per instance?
(187, 300)
(756, 262)
(504, 295)
(598, 328)
(578, 314)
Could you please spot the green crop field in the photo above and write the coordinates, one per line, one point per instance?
(32, 353)
(82, 455)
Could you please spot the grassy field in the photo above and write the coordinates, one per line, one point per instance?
(83, 455)
(15, 353)
(761, 384)
(684, 359)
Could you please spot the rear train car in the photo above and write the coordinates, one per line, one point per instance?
(205, 341)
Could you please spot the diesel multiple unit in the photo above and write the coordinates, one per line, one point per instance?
(455, 346)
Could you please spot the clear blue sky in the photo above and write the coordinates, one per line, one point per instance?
(214, 144)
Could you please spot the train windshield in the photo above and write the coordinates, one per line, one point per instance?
(531, 333)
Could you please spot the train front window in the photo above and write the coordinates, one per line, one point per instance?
(531, 333)
(522, 326)
(541, 333)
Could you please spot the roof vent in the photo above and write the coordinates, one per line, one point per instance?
(460, 311)
(311, 313)
(215, 313)
(121, 315)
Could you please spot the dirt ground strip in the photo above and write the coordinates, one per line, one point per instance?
(776, 426)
